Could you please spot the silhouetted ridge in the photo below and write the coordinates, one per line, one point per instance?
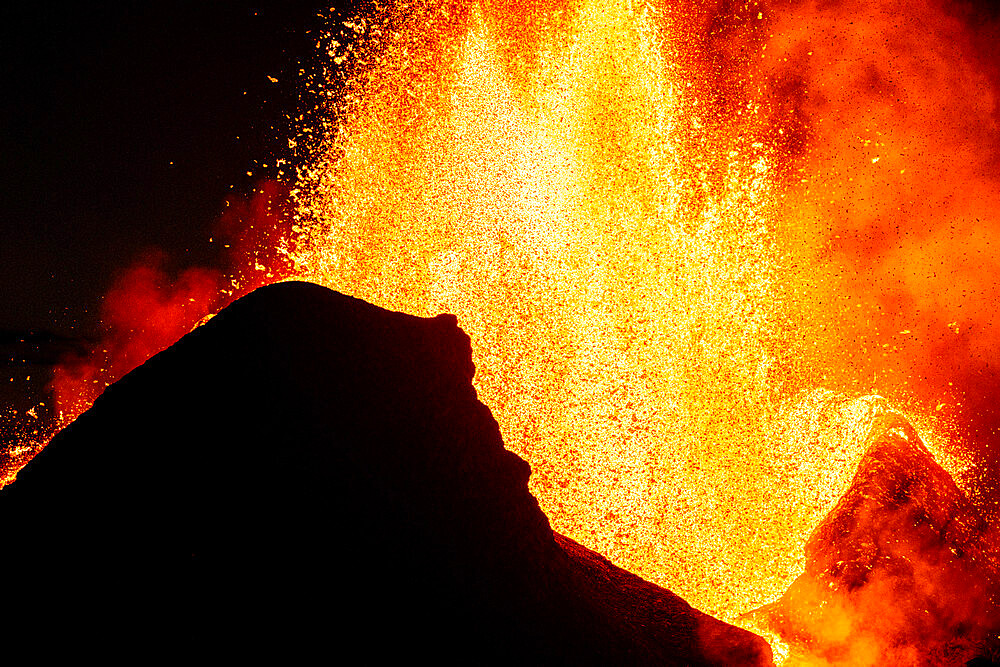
(899, 571)
(308, 472)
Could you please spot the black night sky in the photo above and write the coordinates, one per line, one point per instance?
(125, 127)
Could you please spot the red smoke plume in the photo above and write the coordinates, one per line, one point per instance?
(145, 310)
(150, 305)
(893, 207)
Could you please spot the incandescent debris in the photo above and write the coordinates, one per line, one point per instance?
(309, 474)
(900, 572)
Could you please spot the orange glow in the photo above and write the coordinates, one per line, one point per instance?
(631, 218)
(700, 252)
(149, 307)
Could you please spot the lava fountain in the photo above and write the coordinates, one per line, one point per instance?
(700, 248)
(619, 202)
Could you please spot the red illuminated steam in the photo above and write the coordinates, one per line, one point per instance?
(150, 305)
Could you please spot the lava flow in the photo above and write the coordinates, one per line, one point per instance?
(701, 249)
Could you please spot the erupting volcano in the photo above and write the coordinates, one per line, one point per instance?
(727, 273)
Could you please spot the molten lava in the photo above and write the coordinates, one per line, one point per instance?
(613, 231)
(690, 242)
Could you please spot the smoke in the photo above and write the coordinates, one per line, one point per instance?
(901, 572)
(912, 601)
(145, 310)
(256, 233)
(899, 618)
(887, 113)
(553, 185)
(153, 302)
(888, 228)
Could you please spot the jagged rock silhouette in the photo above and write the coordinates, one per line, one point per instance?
(900, 572)
(308, 472)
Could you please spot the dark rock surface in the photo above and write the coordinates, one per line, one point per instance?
(900, 572)
(309, 475)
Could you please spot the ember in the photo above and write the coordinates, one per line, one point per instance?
(688, 257)
(704, 252)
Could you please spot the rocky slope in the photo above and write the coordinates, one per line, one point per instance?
(307, 474)
(900, 572)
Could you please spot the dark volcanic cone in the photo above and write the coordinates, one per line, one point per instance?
(898, 573)
(311, 475)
